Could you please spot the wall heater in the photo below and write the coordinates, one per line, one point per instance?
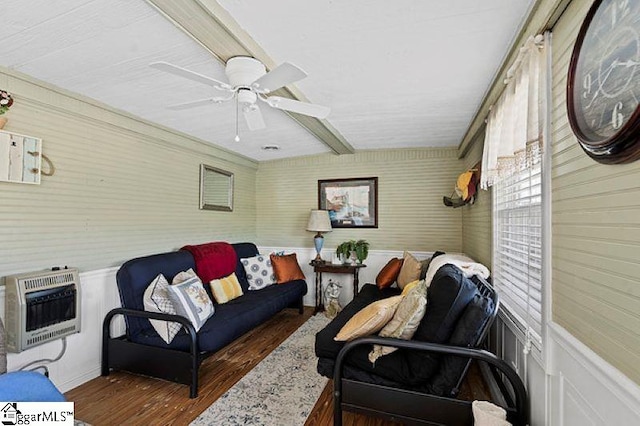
(41, 306)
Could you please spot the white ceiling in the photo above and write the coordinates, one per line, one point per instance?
(407, 73)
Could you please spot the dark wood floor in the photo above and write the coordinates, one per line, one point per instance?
(123, 398)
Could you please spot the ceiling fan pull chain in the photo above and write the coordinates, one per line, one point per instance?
(237, 138)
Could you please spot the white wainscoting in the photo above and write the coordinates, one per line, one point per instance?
(580, 387)
(375, 262)
(507, 341)
(81, 361)
(585, 389)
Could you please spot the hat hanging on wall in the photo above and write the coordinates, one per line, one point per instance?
(465, 189)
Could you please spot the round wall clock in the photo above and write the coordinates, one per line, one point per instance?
(603, 86)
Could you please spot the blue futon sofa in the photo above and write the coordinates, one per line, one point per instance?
(141, 350)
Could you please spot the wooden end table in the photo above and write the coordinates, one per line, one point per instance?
(330, 268)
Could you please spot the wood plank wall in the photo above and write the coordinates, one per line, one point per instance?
(122, 187)
(596, 230)
(476, 218)
(411, 183)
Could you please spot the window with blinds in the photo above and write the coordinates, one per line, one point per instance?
(517, 248)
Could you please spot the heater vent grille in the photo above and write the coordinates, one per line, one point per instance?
(41, 306)
(48, 281)
(50, 335)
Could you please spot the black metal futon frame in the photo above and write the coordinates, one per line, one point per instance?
(413, 407)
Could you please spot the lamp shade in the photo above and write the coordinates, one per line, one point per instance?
(319, 221)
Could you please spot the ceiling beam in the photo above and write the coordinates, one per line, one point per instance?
(213, 27)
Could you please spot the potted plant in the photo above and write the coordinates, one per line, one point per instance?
(344, 250)
(361, 248)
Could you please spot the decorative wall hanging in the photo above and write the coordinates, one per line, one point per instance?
(20, 158)
(5, 103)
(603, 85)
(465, 189)
(352, 203)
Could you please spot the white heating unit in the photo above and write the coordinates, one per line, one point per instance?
(41, 306)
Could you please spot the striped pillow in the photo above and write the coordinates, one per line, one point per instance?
(226, 289)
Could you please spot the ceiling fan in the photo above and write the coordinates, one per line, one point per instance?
(249, 82)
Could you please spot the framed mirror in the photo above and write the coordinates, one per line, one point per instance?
(216, 189)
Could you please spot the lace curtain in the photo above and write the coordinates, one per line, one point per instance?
(513, 136)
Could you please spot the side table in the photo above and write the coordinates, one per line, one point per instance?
(330, 268)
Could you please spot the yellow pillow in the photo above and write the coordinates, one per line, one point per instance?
(369, 320)
(410, 270)
(226, 289)
(409, 286)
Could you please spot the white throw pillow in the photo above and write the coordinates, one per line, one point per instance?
(156, 299)
(259, 271)
(183, 276)
(191, 301)
(486, 413)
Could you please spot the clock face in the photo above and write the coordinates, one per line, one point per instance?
(604, 79)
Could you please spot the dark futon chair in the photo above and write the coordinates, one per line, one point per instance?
(419, 383)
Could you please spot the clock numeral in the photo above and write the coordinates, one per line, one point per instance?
(617, 118)
(586, 84)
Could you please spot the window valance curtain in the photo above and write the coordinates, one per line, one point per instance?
(513, 136)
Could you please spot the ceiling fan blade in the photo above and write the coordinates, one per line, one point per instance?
(278, 77)
(182, 72)
(253, 116)
(197, 103)
(303, 108)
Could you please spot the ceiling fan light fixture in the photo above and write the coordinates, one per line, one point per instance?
(244, 70)
(249, 82)
(246, 97)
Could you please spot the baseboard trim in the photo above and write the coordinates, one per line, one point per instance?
(74, 382)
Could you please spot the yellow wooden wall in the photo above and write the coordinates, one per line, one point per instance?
(476, 217)
(411, 183)
(596, 230)
(122, 187)
(595, 233)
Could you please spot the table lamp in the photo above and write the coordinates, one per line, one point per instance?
(319, 222)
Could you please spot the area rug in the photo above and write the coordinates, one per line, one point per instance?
(281, 390)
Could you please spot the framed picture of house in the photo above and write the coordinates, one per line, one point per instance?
(352, 203)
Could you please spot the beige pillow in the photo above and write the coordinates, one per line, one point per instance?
(405, 321)
(410, 270)
(369, 320)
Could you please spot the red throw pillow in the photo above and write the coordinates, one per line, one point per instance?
(286, 268)
(389, 273)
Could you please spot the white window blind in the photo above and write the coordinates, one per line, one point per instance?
(517, 247)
